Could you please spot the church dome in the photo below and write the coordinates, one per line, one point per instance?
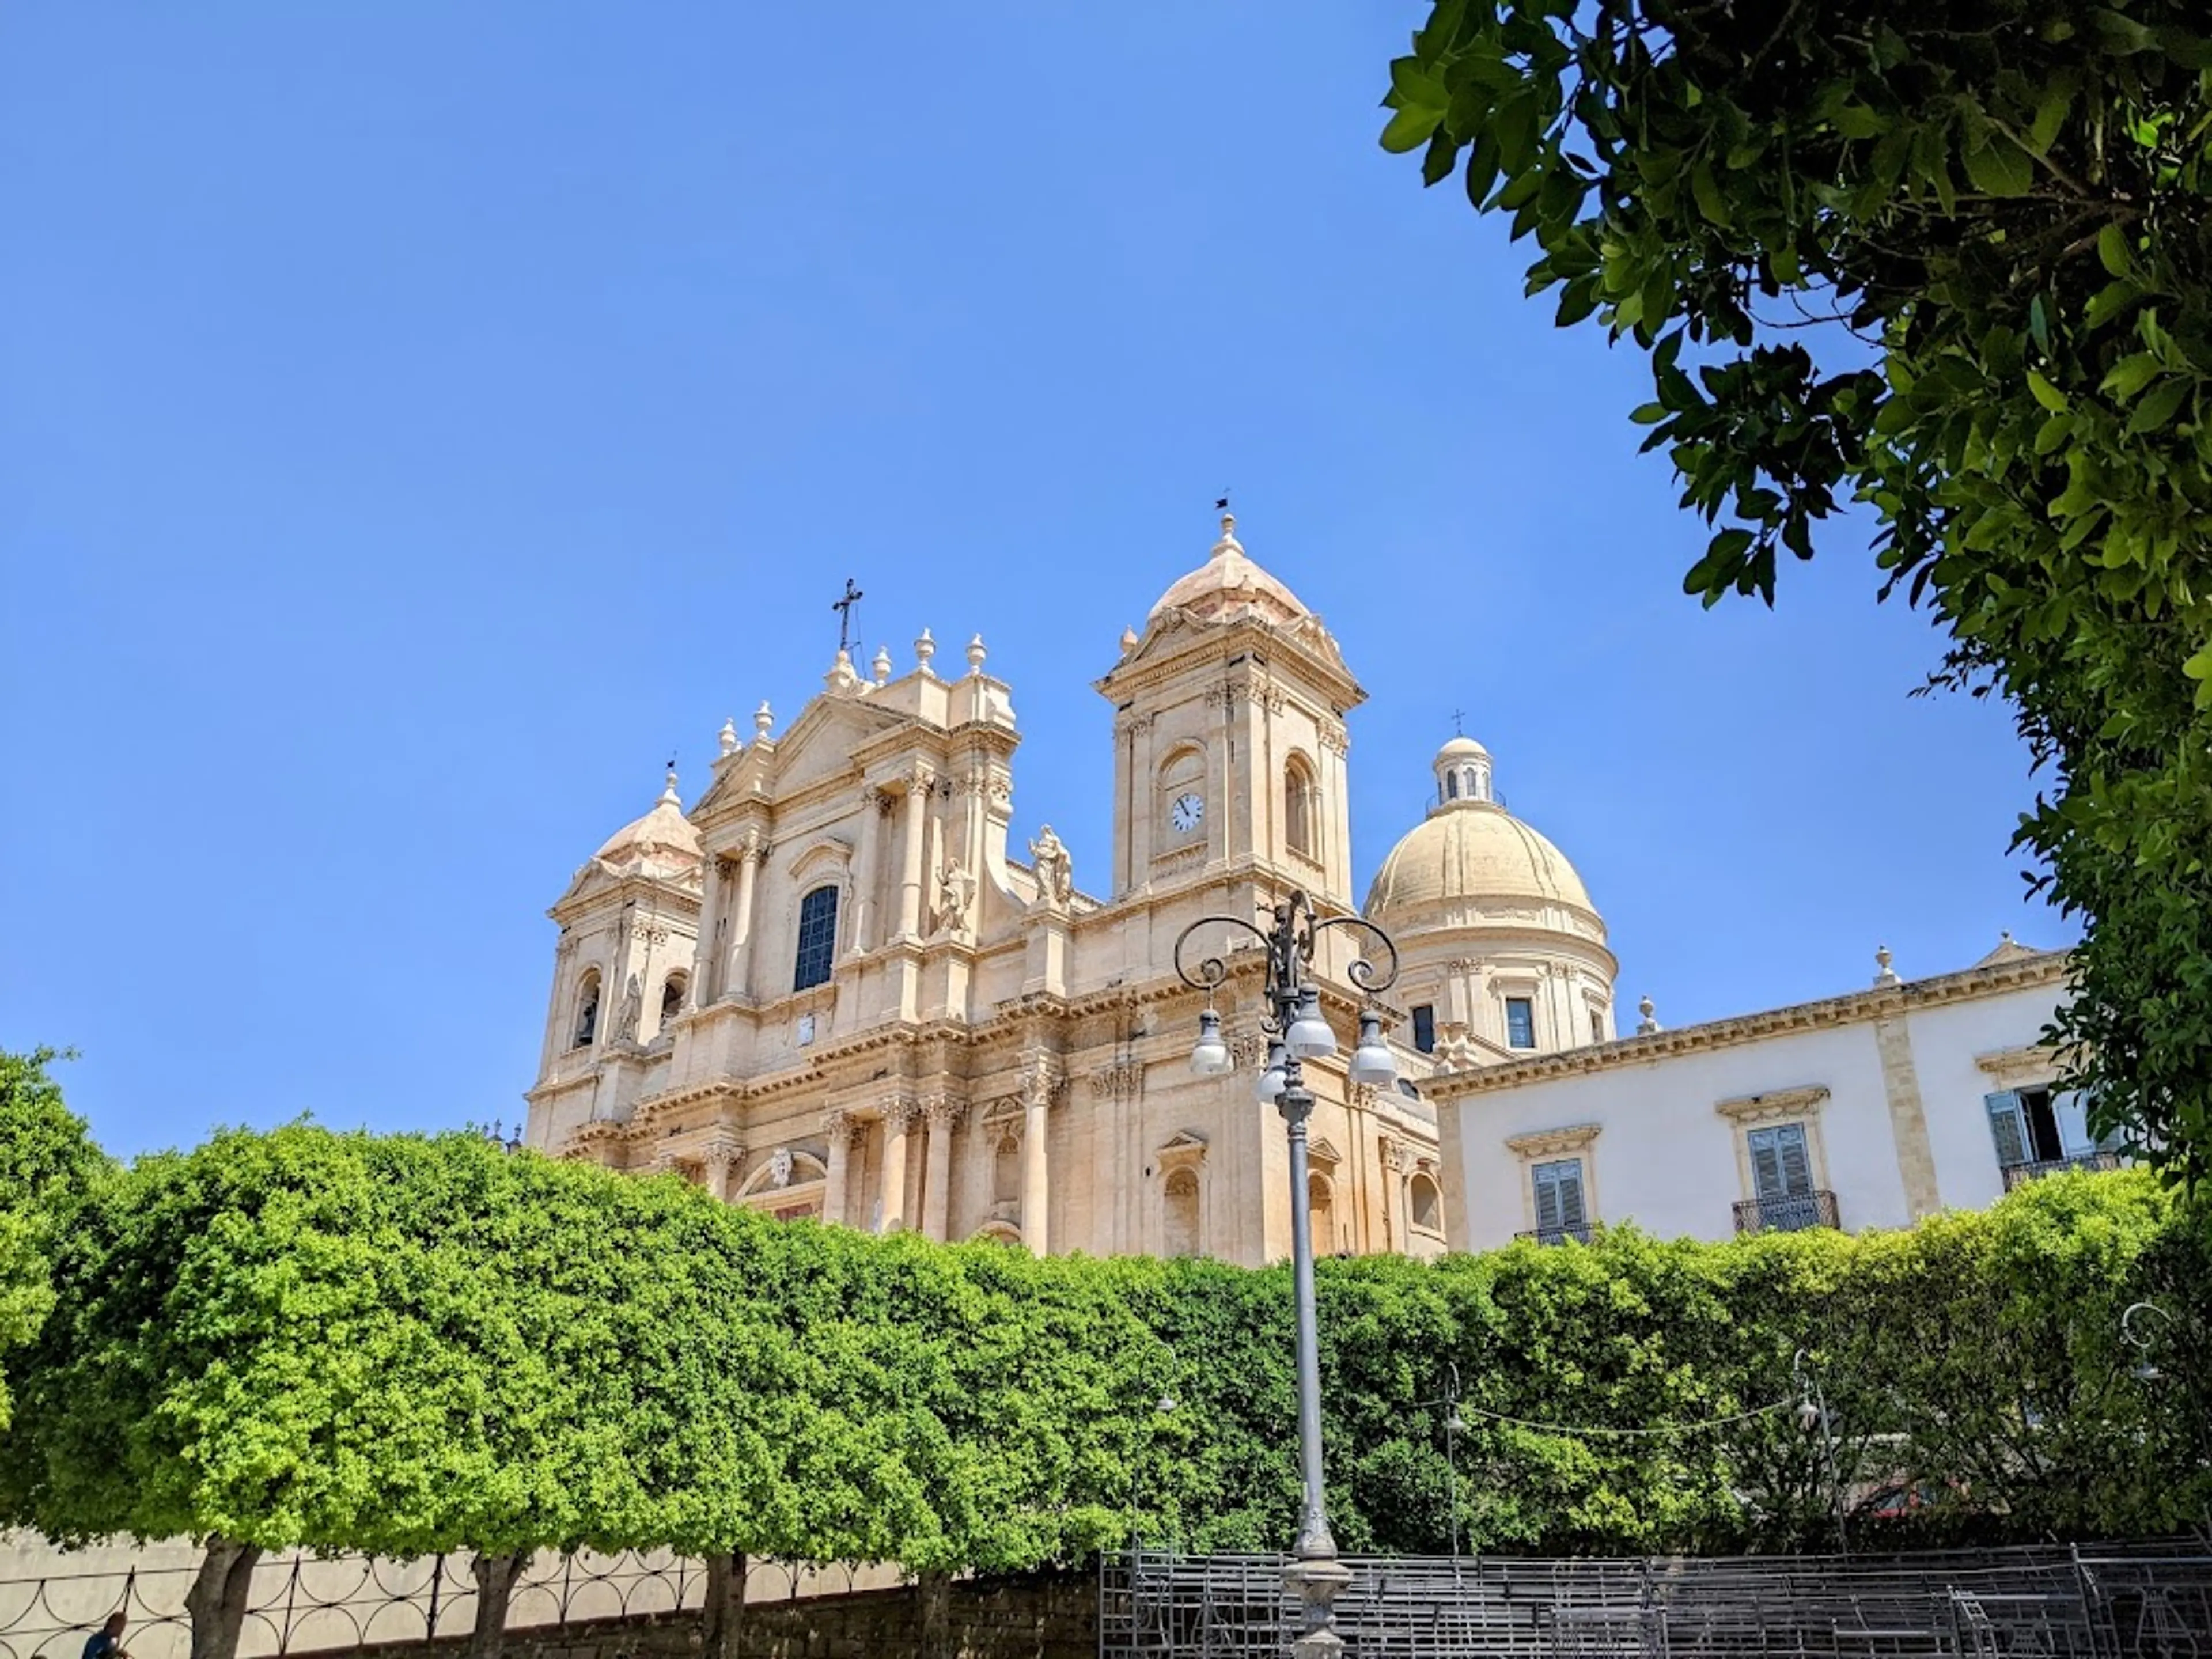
(1229, 581)
(663, 836)
(1469, 849)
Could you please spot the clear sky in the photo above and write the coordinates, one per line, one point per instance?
(417, 421)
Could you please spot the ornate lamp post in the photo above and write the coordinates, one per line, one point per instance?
(1812, 1418)
(1298, 1034)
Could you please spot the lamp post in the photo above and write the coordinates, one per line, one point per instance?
(1297, 1034)
(1450, 1402)
(1813, 1417)
(1162, 1407)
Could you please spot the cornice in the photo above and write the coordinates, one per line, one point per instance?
(2011, 1067)
(1773, 1105)
(1554, 1143)
(1883, 1002)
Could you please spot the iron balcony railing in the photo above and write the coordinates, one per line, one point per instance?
(2015, 1174)
(1792, 1214)
(1579, 1231)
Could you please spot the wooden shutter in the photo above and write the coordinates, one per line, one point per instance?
(1781, 1164)
(2008, 1128)
(1560, 1196)
(1571, 1213)
(1547, 1197)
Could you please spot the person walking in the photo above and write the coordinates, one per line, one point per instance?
(106, 1642)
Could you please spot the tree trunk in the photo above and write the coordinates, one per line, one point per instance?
(725, 1604)
(218, 1599)
(494, 1576)
(935, 1589)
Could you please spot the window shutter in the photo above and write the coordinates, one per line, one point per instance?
(1796, 1160)
(1572, 1214)
(1548, 1198)
(1767, 1177)
(2008, 1128)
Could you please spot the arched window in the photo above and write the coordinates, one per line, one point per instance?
(1181, 802)
(1301, 799)
(587, 1011)
(1182, 1227)
(1006, 1171)
(1427, 1204)
(672, 997)
(1451, 786)
(1321, 1195)
(817, 939)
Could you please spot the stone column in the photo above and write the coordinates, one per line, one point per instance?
(1394, 1235)
(1036, 1185)
(723, 1159)
(898, 1117)
(913, 844)
(866, 872)
(943, 1112)
(705, 982)
(736, 980)
(838, 1127)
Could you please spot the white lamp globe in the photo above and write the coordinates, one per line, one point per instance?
(1210, 1057)
(1269, 1086)
(1370, 1062)
(1309, 1035)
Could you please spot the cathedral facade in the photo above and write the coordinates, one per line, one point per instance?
(834, 988)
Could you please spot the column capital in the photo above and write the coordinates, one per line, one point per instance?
(752, 847)
(841, 1125)
(943, 1110)
(919, 776)
(725, 1151)
(899, 1112)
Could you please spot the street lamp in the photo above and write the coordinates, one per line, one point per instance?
(1813, 1417)
(2146, 1369)
(1453, 1429)
(1300, 1033)
(1163, 1407)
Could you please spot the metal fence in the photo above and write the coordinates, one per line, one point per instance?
(302, 1603)
(2112, 1602)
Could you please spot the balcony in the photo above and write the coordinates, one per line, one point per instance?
(1792, 1214)
(2015, 1174)
(1579, 1231)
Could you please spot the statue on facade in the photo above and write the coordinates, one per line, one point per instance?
(632, 1009)
(955, 892)
(1056, 870)
(779, 1168)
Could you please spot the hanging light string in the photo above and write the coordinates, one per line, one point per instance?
(1670, 1428)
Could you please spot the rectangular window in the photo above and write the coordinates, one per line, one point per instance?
(1597, 1025)
(1425, 1029)
(817, 939)
(1780, 1165)
(1520, 1022)
(1560, 1213)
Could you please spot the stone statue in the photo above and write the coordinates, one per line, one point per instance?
(955, 892)
(1055, 871)
(779, 1168)
(633, 1007)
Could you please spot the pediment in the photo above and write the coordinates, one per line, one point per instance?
(1324, 1151)
(816, 746)
(1185, 1146)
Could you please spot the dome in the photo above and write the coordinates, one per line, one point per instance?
(663, 835)
(1228, 581)
(1467, 851)
(1461, 748)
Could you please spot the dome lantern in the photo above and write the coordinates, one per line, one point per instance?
(1462, 768)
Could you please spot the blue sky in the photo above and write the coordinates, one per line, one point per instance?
(418, 422)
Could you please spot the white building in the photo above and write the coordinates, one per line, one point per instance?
(1870, 1109)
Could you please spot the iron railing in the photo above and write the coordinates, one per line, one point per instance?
(302, 1603)
(2015, 1174)
(2142, 1602)
(1790, 1214)
(1579, 1231)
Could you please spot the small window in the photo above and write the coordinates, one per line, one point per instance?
(1424, 1028)
(817, 939)
(2024, 1125)
(1299, 800)
(1780, 1166)
(1451, 786)
(672, 997)
(1520, 1022)
(588, 1012)
(1427, 1204)
(1560, 1211)
(1597, 1025)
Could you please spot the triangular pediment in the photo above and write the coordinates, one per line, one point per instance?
(817, 745)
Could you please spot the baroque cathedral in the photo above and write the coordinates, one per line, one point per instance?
(832, 987)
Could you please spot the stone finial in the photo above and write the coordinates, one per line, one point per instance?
(1128, 640)
(1228, 544)
(1650, 1023)
(669, 797)
(763, 721)
(1884, 973)
(924, 649)
(841, 676)
(880, 669)
(975, 654)
(728, 737)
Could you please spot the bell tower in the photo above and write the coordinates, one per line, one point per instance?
(1228, 737)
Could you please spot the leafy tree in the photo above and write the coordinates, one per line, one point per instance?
(47, 1164)
(1952, 262)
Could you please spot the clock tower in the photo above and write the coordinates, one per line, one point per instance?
(1229, 739)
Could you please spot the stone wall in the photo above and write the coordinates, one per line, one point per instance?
(1046, 1616)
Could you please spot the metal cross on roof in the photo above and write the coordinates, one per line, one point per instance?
(1459, 715)
(843, 607)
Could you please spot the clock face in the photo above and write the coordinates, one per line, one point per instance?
(1186, 813)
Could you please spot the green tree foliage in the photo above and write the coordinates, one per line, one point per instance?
(48, 1164)
(1999, 211)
